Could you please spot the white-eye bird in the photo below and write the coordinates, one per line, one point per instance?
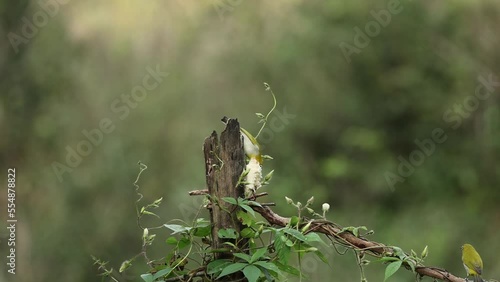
(253, 179)
(473, 263)
(251, 146)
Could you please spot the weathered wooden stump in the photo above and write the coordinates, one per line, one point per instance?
(224, 163)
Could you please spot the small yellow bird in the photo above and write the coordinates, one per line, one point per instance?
(253, 178)
(472, 262)
(251, 146)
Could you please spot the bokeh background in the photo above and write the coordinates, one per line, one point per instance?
(344, 122)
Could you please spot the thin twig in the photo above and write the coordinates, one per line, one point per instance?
(198, 192)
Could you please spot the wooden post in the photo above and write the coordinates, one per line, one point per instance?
(224, 163)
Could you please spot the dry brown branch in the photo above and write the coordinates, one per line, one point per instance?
(332, 230)
(198, 192)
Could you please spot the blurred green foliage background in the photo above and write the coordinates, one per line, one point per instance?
(349, 119)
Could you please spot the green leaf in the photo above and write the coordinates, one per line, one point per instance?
(282, 250)
(184, 242)
(228, 233)
(354, 230)
(288, 268)
(284, 254)
(252, 273)
(244, 218)
(392, 268)
(295, 233)
(148, 277)
(217, 266)
(243, 256)
(314, 237)
(412, 264)
(386, 259)
(248, 209)
(202, 222)
(321, 256)
(247, 233)
(177, 228)
(303, 248)
(294, 220)
(231, 245)
(254, 203)
(230, 200)
(268, 265)
(202, 231)
(242, 200)
(162, 273)
(171, 240)
(268, 274)
(399, 252)
(232, 268)
(258, 254)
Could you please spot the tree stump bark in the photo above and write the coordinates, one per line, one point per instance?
(224, 163)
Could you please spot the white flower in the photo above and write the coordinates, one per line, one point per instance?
(325, 207)
(254, 177)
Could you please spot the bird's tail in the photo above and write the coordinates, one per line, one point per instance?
(478, 279)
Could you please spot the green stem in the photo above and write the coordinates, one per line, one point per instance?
(268, 114)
